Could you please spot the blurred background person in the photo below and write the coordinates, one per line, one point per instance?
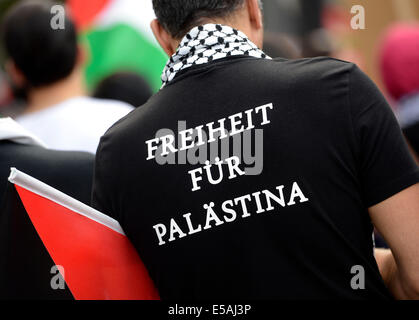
(48, 63)
(300, 20)
(128, 87)
(279, 45)
(399, 62)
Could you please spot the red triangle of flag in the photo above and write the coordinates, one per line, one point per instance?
(84, 12)
(99, 262)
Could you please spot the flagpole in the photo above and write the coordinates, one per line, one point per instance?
(25, 181)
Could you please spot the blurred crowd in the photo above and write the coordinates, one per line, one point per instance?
(67, 86)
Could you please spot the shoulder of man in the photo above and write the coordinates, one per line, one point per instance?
(315, 69)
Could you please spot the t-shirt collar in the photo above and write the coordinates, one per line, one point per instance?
(10, 130)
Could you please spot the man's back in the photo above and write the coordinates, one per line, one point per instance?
(295, 230)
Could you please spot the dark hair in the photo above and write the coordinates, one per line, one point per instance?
(44, 55)
(127, 86)
(179, 16)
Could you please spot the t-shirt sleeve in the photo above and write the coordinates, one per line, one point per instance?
(385, 164)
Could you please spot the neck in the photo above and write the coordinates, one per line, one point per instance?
(237, 22)
(47, 96)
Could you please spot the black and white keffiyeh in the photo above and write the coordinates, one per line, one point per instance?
(207, 43)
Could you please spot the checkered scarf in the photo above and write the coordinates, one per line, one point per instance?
(207, 43)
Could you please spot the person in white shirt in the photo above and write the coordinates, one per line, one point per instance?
(74, 124)
(48, 63)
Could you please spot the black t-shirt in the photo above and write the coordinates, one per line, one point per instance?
(299, 229)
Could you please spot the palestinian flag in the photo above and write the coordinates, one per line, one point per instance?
(54, 247)
(119, 36)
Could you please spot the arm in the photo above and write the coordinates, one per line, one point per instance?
(386, 264)
(397, 219)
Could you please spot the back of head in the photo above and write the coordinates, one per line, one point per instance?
(179, 16)
(43, 54)
(128, 87)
